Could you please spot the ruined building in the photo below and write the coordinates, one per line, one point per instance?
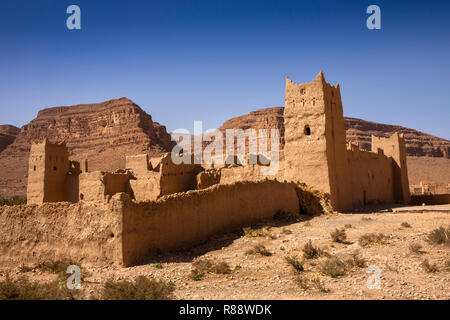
(155, 205)
(315, 153)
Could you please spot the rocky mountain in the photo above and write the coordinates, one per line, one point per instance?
(359, 131)
(7, 135)
(103, 133)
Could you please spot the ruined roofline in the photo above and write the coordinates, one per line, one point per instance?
(47, 142)
(320, 77)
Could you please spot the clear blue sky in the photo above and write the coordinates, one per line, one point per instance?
(212, 60)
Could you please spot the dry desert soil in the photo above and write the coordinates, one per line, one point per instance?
(255, 276)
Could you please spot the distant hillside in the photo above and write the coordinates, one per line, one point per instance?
(7, 135)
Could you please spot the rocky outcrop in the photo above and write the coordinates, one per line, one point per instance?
(104, 133)
(8, 134)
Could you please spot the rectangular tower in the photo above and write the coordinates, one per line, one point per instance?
(47, 171)
(315, 147)
(395, 148)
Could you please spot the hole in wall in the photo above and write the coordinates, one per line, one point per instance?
(81, 196)
(54, 168)
(111, 235)
(307, 130)
(34, 168)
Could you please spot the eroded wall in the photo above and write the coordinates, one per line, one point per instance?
(394, 146)
(84, 232)
(371, 177)
(177, 177)
(96, 186)
(180, 220)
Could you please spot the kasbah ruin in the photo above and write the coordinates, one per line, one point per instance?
(154, 206)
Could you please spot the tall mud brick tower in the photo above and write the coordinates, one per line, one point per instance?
(47, 170)
(395, 148)
(315, 149)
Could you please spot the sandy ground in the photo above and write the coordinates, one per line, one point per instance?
(270, 277)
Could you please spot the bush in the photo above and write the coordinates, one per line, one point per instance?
(332, 267)
(14, 201)
(314, 283)
(356, 261)
(204, 266)
(339, 235)
(406, 225)
(369, 239)
(259, 232)
(23, 289)
(429, 268)
(142, 288)
(311, 252)
(415, 247)
(221, 268)
(439, 236)
(259, 249)
(295, 263)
